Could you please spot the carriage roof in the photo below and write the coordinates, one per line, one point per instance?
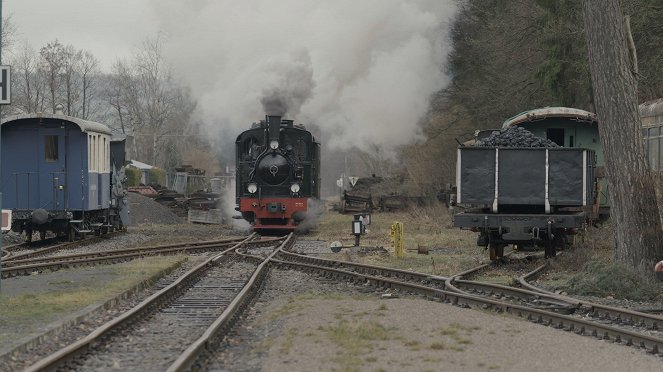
(84, 125)
(551, 112)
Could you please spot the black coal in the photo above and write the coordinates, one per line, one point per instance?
(514, 137)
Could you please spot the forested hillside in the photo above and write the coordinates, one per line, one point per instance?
(514, 55)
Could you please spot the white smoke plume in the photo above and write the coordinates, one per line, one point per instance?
(363, 70)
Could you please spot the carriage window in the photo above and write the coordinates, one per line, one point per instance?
(51, 148)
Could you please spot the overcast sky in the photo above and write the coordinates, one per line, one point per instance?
(363, 70)
(107, 28)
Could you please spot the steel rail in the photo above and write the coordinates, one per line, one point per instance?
(488, 288)
(413, 275)
(148, 305)
(225, 321)
(61, 246)
(14, 247)
(27, 267)
(188, 247)
(626, 316)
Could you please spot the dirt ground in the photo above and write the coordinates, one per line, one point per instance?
(417, 335)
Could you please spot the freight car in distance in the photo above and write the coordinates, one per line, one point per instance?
(517, 188)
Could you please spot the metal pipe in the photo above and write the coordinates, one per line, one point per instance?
(274, 125)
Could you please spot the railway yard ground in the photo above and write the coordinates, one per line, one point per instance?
(301, 321)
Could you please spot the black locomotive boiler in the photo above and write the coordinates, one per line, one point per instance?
(278, 172)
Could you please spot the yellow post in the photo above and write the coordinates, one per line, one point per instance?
(396, 236)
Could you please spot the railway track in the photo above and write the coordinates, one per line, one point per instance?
(46, 247)
(16, 267)
(201, 307)
(612, 324)
(171, 329)
(605, 313)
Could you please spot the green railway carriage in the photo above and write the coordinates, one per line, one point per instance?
(651, 114)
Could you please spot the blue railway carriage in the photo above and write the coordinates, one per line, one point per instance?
(56, 175)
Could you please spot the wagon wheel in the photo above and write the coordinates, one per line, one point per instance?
(28, 236)
(492, 249)
(549, 248)
(42, 235)
(561, 240)
(499, 250)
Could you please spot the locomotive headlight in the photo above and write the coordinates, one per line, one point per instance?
(274, 145)
(294, 188)
(252, 188)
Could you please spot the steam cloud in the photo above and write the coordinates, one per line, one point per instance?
(363, 71)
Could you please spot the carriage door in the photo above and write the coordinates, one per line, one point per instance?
(52, 169)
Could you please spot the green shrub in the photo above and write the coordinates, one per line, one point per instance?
(157, 176)
(133, 177)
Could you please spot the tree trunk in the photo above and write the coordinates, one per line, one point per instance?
(634, 209)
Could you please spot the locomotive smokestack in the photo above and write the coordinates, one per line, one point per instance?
(274, 123)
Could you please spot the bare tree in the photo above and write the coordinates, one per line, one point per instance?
(70, 65)
(52, 56)
(634, 207)
(149, 102)
(117, 93)
(88, 71)
(8, 32)
(29, 89)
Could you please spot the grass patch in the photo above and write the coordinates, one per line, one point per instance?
(289, 340)
(355, 341)
(437, 346)
(298, 303)
(51, 304)
(459, 334)
(264, 346)
(589, 269)
(611, 279)
(413, 345)
(453, 250)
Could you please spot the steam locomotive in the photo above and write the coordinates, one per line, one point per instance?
(278, 173)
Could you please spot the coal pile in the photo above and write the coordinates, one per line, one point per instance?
(145, 210)
(514, 137)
